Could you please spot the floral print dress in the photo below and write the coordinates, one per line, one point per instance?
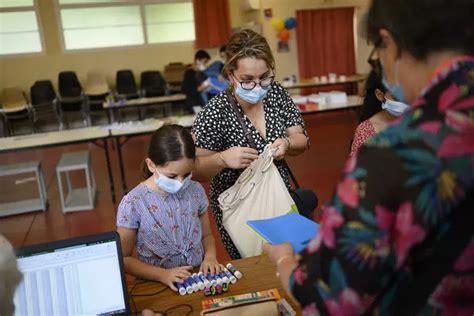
(399, 189)
(168, 226)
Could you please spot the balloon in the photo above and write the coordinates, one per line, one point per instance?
(278, 24)
(284, 35)
(290, 23)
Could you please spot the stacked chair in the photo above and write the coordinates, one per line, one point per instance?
(71, 97)
(44, 103)
(97, 92)
(152, 84)
(15, 108)
(125, 85)
(126, 88)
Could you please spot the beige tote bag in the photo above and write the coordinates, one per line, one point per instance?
(258, 193)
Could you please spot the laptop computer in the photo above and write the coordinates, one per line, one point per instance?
(77, 276)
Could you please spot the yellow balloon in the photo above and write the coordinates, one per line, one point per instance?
(278, 24)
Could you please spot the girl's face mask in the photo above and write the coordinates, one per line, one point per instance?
(171, 186)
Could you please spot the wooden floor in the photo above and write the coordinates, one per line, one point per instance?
(319, 169)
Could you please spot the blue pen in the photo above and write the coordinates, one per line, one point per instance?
(232, 278)
(204, 280)
(218, 279)
(224, 278)
(181, 288)
(211, 279)
(198, 281)
(189, 287)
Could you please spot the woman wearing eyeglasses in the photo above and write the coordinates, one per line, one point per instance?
(271, 117)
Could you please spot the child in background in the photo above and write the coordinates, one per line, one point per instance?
(165, 217)
(217, 82)
(379, 110)
(194, 81)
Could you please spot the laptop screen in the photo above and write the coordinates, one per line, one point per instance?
(75, 279)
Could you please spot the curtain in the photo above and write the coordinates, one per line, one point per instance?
(212, 22)
(325, 40)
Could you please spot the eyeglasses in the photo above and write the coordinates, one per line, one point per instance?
(250, 84)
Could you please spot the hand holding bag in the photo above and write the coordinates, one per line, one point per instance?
(258, 193)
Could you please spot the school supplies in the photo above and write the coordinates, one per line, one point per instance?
(257, 303)
(211, 284)
(292, 228)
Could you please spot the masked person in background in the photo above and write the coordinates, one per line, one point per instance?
(194, 82)
(223, 151)
(165, 217)
(378, 111)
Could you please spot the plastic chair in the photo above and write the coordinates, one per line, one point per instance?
(153, 84)
(126, 89)
(125, 85)
(71, 97)
(97, 91)
(15, 108)
(43, 102)
(174, 73)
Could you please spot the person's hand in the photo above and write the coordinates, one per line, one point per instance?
(211, 265)
(221, 78)
(239, 157)
(175, 275)
(278, 253)
(281, 146)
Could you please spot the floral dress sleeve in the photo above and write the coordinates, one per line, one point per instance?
(364, 131)
(128, 214)
(351, 259)
(202, 198)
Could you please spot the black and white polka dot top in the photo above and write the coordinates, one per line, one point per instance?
(217, 128)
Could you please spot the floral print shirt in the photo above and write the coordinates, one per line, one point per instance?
(364, 131)
(168, 227)
(397, 190)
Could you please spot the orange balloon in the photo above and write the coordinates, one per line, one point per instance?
(284, 35)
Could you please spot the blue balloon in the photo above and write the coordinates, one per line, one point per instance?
(290, 23)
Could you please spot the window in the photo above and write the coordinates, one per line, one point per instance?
(102, 27)
(19, 31)
(112, 23)
(169, 22)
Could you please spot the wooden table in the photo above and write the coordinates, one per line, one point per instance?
(350, 82)
(113, 107)
(258, 274)
(93, 134)
(136, 128)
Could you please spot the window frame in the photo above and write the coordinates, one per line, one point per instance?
(35, 9)
(140, 3)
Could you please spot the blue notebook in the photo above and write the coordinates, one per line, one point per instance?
(291, 227)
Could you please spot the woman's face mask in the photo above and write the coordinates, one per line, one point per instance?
(251, 96)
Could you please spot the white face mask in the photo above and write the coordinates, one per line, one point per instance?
(395, 108)
(201, 67)
(172, 186)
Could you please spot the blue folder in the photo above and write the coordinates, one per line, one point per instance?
(291, 227)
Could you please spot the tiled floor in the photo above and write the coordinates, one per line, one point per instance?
(318, 169)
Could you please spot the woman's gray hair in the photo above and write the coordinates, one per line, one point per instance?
(10, 276)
